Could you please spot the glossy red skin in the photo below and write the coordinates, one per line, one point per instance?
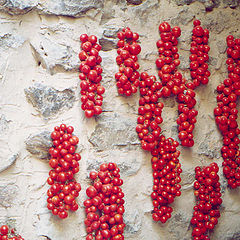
(127, 79)
(9, 234)
(172, 80)
(105, 204)
(64, 161)
(149, 120)
(208, 198)
(90, 76)
(226, 114)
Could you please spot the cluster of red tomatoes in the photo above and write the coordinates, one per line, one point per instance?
(128, 77)
(150, 110)
(64, 161)
(199, 74)
(207, 192)
(90, 76)
(199, 55)
(105, 206)
(8, 234)
(166, 178)
(226, 114)
(174, 83)
(172, 80)
(165, 163)
(168, 59)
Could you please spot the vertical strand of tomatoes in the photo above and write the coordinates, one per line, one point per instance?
(105, 205)
(174, 83)
(199, 74)
(165, 163)
(166, 178)
(199, 55)
(226, 114)
(208, 197)
(149, 112)
(90, 76)
(64, 161)
(9, 234)
(128, 49)
(168, 60)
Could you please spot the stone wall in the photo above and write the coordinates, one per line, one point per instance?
(39, 45)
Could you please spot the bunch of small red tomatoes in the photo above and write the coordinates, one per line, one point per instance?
(208, 195)
(165, 162)
(8, 234)
(105, 204)
(64, 162)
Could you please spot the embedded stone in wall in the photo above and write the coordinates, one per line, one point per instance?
(113, 131)
(216, 22)
(109, 39)
(209, 147)
(178, 226)
(107, 43)
(7, 155)
(133, 222)
(184, 17)
(111, 31)
(43, 238)
(54, 56)
(107, 14)
(227, 229)
(71, 8)
(209, 4)
(49, 101)
(183, 2)
(7, 159)
(10, 40)
(8, 194)
(3, 124)
(231, 4)
(144, 10)
(39, 144)
(188, 178)
(135, 2)
(221, 45)
(17, 7)
(127, 167)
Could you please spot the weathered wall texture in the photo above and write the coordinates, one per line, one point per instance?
(39, 88)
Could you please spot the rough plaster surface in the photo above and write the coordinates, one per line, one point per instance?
(39, 88)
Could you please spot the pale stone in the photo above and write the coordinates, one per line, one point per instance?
(49, 101)
(42, 47)
(54, 56)
(8, 194)
(178, 226)
(39, 144)
(128, 168)
(135, 2)
(133, 222)
(10, 40)
(7, 155)
(16, 7)
(183, 17)
(72, 8)
(113, 132)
